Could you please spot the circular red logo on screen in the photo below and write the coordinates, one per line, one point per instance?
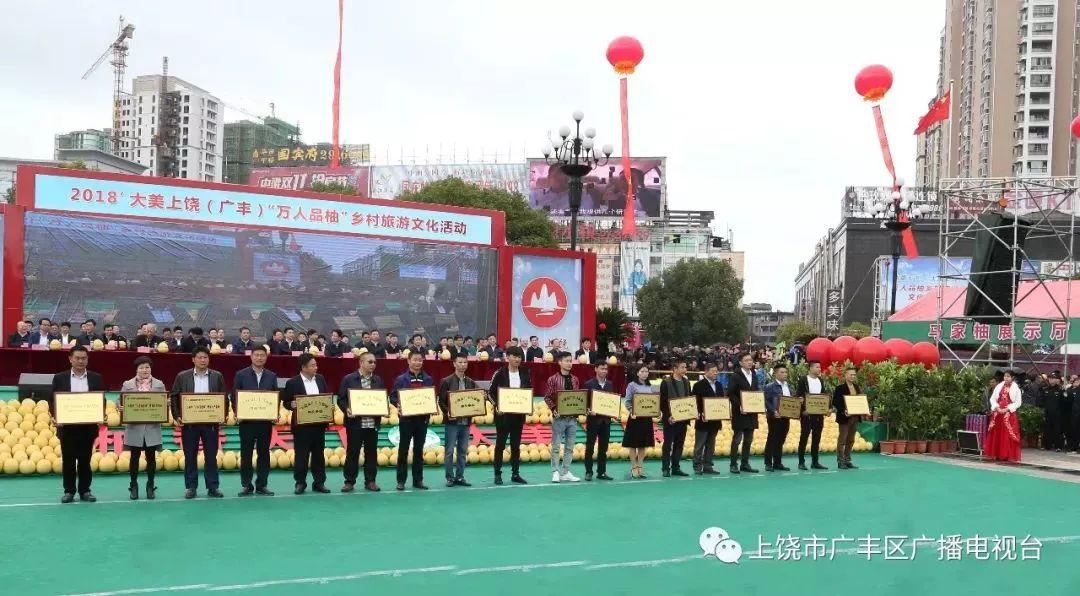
(543, 302)
(275, 268)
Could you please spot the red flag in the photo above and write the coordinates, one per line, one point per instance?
(938, 112)
(336, 107)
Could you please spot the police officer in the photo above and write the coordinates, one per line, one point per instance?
(1053, 399)
(1073, 399)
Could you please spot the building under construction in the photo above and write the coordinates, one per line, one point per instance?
(242, 138)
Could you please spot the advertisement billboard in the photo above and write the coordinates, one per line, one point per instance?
(387, 182)
(308, 155)
(604, 192)
(546, 298)
(634, 269)
(301, 178)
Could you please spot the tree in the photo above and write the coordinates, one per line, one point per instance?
(796, 331)
(697, 301)
(9, 195)
(525, 226)
(616, 328)
(336, 188)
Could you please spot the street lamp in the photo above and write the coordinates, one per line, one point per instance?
(896, 216)
(575, 157)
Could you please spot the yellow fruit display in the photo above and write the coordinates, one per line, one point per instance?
(163, 348)
(215, 349)
(55, 344)
(548, 357)
(97, 345)
(483, 355)
(444, 355)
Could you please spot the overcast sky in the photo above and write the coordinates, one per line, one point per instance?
(751, 102)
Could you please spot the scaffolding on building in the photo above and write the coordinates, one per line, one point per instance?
(1046, 207)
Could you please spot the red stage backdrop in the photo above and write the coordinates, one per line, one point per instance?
(130, 249)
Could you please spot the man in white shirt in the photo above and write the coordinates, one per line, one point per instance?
(76, 440)
(309, 439)
(810, 424)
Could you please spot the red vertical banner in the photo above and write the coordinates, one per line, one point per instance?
(907, 237)
(335, 162)
(629, 224)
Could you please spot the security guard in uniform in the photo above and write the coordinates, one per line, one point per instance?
(1053, 399)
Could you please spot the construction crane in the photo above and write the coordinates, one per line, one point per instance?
(119, 51)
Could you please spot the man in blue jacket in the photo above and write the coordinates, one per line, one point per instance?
(412, 429)
(778, 425)
(361, 432)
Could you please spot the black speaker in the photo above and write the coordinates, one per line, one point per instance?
(995, 267)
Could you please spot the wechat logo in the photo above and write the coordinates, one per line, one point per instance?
(715, 542)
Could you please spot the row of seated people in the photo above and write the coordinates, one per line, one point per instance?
(281, 342)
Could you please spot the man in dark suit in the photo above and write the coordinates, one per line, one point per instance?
(65, 337)
(848, 425)
(375, 345)
(44, 333)
(194, 340)
(456, 429)
(89, 333)
(706, 431)
(810, 425)
(337, 347)
(148, 338)
(200, 379)
(308, 440)
(76, 440)
(254, 434)
(587, 351)
(392, 346)
(21, 337)
(677, 385)
(290, 344)
(361, 432)
(508, 426)
(245, 343)
(176, 344)
(112, 334)
(778, 425)
(413, 429)
(597, 428)
(534, 351)
(276, 341)
(742, 425)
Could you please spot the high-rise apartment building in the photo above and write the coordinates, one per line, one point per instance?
(1015, 82)
(172, 127)
(244, 137)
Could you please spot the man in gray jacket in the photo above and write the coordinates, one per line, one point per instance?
(200, 379)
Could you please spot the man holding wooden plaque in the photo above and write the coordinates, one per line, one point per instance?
(413, 394)
(598, 424)
(778, 420)
(76, 438)
(362, 396)
(309, 435)
(510, 380)
(256, 403)
(706, 427)
(562, 391)
(459, 399)
(811, 389)
(847, 422)
(196, 383)
(743, 420)
(675, 386)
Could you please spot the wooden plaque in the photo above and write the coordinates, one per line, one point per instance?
(683, 408)
(314, 409)
(417, 402)
(856, 405)
(202, 408)
(790, 407)
(258, 406)
(645, 405)
(368, 402)
(817, 404)
(467, 402)
(752, 402)
(603, 403)
(571, 402)
(144, 407)
(80, 408)
(515, 401)
(716, 408)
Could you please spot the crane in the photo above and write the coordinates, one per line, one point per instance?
(119, 50)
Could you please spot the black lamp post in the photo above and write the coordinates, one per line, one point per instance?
(575, 158)
(896, 216)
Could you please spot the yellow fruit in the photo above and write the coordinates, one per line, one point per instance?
(27, 467)
(333, 461)
(112, 419)
(11, 466)
(230, 461)
(215, 349)
(548, 357)
(54, 344)
(162, 348)
(58, 466)
(105, 465)
(123, 464)
(97, 345)
(483, 355)
(383, 460)
(171, 464)
(123, 345)
(444, 355)
(612, 360)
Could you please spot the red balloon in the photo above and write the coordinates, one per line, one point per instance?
(1075, 127)
(901, 350)
(843, 348)
(869, 349)
(625, 53)
(926, 353)
(602, 326)
(818, 349)
(873, 82)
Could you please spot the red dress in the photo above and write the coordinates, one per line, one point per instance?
(1003, 434)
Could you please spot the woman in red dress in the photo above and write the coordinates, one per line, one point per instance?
(1003, 434)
